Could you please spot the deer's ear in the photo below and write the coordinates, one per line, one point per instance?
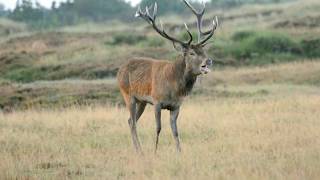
(179, 47)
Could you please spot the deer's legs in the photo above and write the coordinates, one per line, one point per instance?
(173, 123)
(157, 110)
(132, 124)
(140, 109)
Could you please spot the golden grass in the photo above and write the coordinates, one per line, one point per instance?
(260, 137)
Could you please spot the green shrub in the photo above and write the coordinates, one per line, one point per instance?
(264, 43)
(311, 48)
(153, 42)
(25, 74)
(274, 43)
(241, 35)
(253, 47)
(130, 39)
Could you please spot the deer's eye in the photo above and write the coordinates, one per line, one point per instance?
(192, 54)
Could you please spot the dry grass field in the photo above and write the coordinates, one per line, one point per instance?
(256, 116)
(266, 129)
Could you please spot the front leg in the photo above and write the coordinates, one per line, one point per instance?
(173, 122)
(157, 109)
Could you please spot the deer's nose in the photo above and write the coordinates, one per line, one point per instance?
(209, 62)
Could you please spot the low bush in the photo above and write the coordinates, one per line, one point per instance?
(153, 42)
(249, 47)
(241, 35)
(311, 48)
(26, 74)
(124, 38)
(265, 43)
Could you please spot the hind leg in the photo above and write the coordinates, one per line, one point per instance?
(132, 124)
(140, 109)
(136, 109)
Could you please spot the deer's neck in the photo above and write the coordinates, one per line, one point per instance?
(185, 78)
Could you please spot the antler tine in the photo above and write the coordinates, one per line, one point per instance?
(199, 16)
(217, 21)
(138, 13)
(194, 10)
(189, 33)
(141, 14)
(148, 14)
(152, 20)
(161, 24)
(155, 10)
(215, 24)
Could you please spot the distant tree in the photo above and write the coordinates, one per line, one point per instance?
(66, 14)
(70, 12)
(233, 3)
(226, 3)
(53, 5)
(25, 11)
(99, 10)
(3, 11)
(166, 6)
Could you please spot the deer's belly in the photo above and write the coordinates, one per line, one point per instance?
(169, 104)
(147, 99)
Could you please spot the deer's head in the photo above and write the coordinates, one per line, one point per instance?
(196, 60)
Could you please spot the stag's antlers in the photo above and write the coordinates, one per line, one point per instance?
(151, 19)
(199, 16)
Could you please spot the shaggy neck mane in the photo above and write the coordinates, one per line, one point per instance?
(185, 78)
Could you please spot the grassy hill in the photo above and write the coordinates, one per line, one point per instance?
(227, 82)
(251, 35)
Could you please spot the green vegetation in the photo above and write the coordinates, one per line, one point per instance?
(311, 47)
(258, 47)
(130, 39)
(262, 44)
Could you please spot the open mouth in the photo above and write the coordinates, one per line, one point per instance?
(205, 69)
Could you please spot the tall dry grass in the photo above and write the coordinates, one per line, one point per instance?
(260, 137)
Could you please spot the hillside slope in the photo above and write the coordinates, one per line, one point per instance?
(274, 81)
(79, 52)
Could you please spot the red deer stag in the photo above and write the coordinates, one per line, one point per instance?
(164, 84)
